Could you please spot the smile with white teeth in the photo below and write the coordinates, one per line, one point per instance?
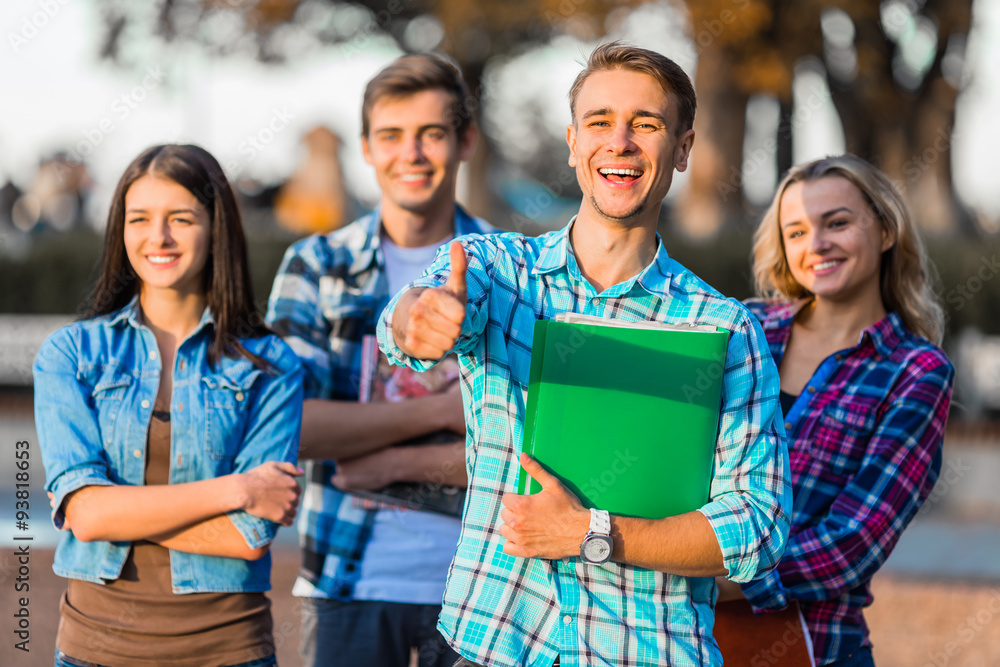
(161, 259)
(412, 177)
(620, 172)
(825, 265)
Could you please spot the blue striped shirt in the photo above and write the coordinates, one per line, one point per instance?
(500, 610)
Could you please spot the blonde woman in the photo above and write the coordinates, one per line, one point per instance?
(853, 328)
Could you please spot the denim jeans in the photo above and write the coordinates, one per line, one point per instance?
(860, 658)
(63, 660)
(371, 633)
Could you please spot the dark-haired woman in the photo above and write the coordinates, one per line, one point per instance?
(853, 327)
(168, 420)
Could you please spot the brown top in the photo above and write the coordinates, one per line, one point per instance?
(137, 619)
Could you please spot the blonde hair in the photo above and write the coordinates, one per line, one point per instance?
(904, 277)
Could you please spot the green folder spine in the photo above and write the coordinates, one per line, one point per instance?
(626, 418)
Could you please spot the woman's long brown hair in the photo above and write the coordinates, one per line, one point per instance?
(226, 275)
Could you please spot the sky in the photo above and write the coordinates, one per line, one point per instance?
(59, 94)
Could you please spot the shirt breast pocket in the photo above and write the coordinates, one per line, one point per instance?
(109, 394)
(348, 322)
(227, 402)
(842, 437)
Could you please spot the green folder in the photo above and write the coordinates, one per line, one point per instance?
(627, 418)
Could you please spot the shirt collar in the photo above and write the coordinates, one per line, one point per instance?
(885, 335)
(131, 313)
(368, 251)
(783, 315)
(554, 254)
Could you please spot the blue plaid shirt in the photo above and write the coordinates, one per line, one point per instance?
(500, 610)
(327, 295)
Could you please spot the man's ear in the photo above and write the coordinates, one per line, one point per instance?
(683, 150)
(467, 142)
(366, 149)
(571, 142)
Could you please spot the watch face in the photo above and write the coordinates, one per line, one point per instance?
(597, 549)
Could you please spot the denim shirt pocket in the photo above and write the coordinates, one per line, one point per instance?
(842, 437)
(108, 394)
(226, 406)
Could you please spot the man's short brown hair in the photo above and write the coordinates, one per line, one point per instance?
(618, 56)
(411, 74)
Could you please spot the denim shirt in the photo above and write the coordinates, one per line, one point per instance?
(95, 385)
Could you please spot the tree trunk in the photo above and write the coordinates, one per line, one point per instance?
(714, 195)
(474, 190)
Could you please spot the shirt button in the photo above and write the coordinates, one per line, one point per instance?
(839, 357)
(595, 301)
(137, 453)
(145, 404)
(239, 396)
(182, 364)
(788, 426)
(152, 354)
(567, 619)
(812, 390)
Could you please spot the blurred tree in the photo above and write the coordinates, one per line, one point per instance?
(470, 32)
(894, 69)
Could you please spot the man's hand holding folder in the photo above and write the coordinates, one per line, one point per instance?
(549, 524)
(429, 320)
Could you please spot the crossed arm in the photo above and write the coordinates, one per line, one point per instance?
(220, 516)
(359, 437)
(187, 517)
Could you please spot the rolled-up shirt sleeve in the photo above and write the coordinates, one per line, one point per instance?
(69, 435)
(480, 252)
(750, 499)
(273, 428)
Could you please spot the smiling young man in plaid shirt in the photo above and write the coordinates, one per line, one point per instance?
(517, 594)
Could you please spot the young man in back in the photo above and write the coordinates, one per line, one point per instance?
(524, 590)
(372, 577)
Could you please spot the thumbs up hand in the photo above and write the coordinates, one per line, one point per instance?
(427, 324)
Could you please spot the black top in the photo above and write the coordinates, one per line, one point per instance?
(787, 401)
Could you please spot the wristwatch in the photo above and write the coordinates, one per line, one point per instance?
(597, 544)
